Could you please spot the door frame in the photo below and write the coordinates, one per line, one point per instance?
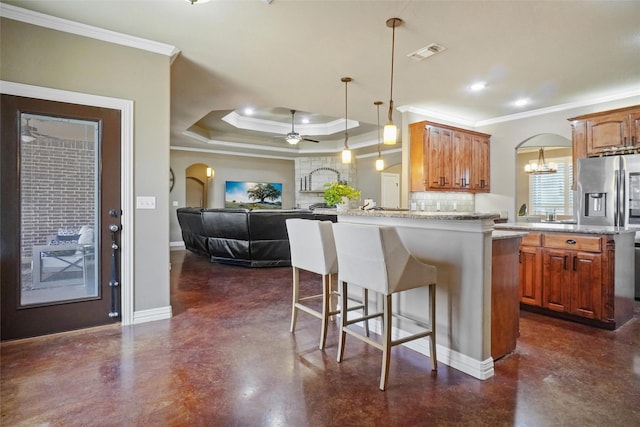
(126, 164)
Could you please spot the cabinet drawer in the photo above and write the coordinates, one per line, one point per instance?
(532, 239)
(573, 242)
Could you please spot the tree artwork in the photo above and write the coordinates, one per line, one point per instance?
(263, 192)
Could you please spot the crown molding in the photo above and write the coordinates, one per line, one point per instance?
(261, 125)
(523, 115)
(67, 26)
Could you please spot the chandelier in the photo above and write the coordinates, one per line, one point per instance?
(541, 167)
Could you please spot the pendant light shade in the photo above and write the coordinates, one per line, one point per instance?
(346, 153)
(390, 135)
(379, 161)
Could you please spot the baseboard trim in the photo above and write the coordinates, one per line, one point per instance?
(480, 369)
(176, 246)
(151, 315)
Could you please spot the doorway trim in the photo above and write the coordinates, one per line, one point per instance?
(126, 163)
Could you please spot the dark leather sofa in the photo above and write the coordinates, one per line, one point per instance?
(256, 238)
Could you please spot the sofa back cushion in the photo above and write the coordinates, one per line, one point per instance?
(193, 235)
(228, 232)
(269, 242)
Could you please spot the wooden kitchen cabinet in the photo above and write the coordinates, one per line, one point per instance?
(480, 161)
(439, 160)
(579, 147)
(531, 270)
(607, 131)
(445, 158)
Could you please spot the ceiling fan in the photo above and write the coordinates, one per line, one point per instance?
(294, 137)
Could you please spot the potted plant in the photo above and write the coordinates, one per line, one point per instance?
(339, 193)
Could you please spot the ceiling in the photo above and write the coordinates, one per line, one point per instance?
(282, 55)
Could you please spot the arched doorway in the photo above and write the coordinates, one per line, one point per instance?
(198, 179)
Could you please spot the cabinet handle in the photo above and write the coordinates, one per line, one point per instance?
(520, 257)
(575, 258)
(482, 183)
(571, 242)
(625, 141)
(565, 262)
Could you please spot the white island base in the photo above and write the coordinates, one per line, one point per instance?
(459, 245)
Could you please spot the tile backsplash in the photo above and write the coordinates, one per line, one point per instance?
(441, 201)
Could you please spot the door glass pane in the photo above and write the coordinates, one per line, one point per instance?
(59, 206)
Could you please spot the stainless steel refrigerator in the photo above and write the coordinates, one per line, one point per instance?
(608, 193)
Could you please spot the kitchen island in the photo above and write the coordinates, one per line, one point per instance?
(460, 246)
(583, 273)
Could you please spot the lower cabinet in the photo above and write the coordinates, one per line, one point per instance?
(566, 273)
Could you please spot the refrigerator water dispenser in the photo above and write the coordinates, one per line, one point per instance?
(595, 205)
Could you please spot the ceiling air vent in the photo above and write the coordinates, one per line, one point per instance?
(426, 51)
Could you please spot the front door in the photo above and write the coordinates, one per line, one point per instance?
(60, 204)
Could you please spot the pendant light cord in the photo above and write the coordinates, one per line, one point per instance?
(393, 46)
(346, 133)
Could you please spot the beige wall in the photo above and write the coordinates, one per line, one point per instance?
(227, 168)
(42, 57)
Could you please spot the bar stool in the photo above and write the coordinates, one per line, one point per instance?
(375, 258)
(313, 249)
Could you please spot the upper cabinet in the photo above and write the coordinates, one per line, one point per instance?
(445, 158)
(607, 132)
(615, 131)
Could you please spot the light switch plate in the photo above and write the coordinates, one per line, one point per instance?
(175, 203)
(145, 202)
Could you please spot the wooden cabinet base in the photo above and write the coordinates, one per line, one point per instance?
(505, 314)
(568, 316)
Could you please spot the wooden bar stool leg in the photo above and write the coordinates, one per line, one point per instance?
(296, 298)
(386, 342)
(326, 295)
(365, 310)
(343, 319)
(432, 314)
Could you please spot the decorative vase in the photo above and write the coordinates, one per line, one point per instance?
(344, 206)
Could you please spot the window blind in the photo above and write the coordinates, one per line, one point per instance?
(550, 192)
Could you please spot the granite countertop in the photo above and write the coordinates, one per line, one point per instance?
(441, 216)
(507, 234)
(564, 228)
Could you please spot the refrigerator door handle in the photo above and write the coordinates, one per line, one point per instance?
(620, 195)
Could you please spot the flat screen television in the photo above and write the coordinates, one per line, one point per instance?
(252, 195)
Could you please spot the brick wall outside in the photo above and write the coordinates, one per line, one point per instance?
(57, 188)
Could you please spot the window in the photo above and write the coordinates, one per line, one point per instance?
(550, 192)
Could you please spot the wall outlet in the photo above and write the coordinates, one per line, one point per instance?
(175, 203)
(145, 202)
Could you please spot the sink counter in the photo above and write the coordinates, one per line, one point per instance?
(565, 228)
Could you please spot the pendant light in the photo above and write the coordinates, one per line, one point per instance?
(541, 167)
(379, 161)
(346, 153)
(391, 130)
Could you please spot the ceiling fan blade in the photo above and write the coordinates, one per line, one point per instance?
(311, 140)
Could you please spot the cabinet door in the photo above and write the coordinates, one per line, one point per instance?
(556, 279)
(586, 284)
(480, 164)
(607, 131)
(462, 153)
(634, 128)
(530, 275)
(417, 157)
(439, 158)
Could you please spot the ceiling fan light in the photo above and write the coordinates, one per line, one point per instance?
(346, 156)
(379, 164)
(293, 139)
(390, 134)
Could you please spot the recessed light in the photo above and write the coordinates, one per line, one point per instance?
(249, 111)
(521, 102)
(478, 86)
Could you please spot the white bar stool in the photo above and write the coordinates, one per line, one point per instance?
(313, 249)
(375, 258)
